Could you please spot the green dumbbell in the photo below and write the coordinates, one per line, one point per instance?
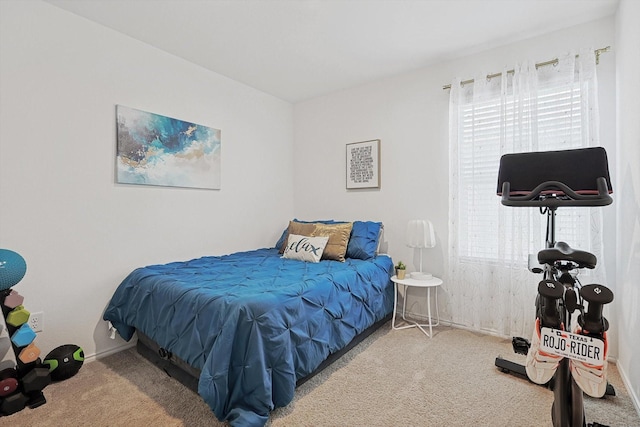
(18, 316)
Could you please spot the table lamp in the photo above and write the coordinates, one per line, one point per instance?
(420, 235)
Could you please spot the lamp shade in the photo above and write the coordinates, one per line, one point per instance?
(420, 234)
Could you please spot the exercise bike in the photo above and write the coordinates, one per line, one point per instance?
(549, 180)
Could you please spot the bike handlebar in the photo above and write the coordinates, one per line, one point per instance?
(555, 194)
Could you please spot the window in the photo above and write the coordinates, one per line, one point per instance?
(529, 109)
(485, 124)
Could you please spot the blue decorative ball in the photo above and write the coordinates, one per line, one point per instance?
(12, 268)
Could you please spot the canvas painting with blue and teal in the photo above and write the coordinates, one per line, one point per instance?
(160, 150)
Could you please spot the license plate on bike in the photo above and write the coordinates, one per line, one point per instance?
(574, 346)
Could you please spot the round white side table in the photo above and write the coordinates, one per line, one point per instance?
(409, 282)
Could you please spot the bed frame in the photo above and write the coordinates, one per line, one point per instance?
(189, 376)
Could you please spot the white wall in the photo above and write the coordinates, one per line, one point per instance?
(409, 114)
(628, 193)
(60, 208)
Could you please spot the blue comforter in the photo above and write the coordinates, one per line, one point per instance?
(252, 322)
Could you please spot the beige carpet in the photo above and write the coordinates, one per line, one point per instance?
(393, 378)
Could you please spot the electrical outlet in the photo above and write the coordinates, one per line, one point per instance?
(36, 321)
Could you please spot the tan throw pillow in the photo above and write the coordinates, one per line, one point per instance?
(299, 228)
(338, 239)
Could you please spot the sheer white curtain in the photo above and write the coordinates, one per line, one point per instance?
(530, 109)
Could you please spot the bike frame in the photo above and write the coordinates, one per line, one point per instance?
(548, 180)
(568, 405)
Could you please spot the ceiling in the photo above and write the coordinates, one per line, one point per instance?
(301, 49)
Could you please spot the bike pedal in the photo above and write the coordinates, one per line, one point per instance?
(520, 345)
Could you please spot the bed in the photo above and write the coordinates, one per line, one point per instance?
(251, 325)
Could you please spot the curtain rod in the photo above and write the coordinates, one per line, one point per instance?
(538, 65)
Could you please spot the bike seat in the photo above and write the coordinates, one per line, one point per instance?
(563, 252)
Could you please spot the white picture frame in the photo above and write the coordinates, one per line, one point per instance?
(363, 164)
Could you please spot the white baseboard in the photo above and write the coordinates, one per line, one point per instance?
(109, 352)
(445, 322)
(627, 384)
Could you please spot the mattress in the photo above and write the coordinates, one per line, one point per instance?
(252, 323)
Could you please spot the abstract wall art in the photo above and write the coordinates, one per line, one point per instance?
(159, 150)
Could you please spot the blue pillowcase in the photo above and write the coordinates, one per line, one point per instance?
(363, 241)
(280, 241)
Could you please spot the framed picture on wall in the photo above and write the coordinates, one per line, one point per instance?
(363, 164)
(160, 150)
